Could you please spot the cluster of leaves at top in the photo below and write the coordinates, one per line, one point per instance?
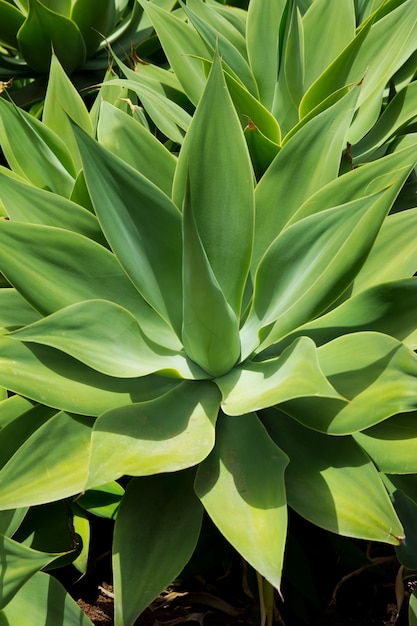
(226, 316)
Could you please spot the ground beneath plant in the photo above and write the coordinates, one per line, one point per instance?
(361, 600)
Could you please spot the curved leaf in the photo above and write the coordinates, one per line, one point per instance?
(257, 385)
(147, 242)
(161, 517)
(40, 599)
(40, 373)
(309, 265)
(172, 432)
(376, 373)
(107, 338)
(244, 477)
(220, 179)
(130, 141)
(392, 443)
(45, 30)
(332, 483)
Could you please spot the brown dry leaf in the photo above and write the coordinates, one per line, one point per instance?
(204, 598)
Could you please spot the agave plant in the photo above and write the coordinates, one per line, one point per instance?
(235, 342)
(78, 31)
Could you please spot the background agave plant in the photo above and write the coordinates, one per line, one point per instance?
(230, 324)
(78, 31)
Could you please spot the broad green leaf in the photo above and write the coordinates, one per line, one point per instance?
(290, 181)
(220, 179)
(95, 19)
(257, 385)
(11, 19)
(262, 34)
(183, 48)
(147, 242)
(392, 443)
(375, 372)
(243, 478)
(45, 30)
(62, 102)
(10, 520)
(103, 500)
(406, 510)
(335, 21)
(44, 374)
(18, 563)
(167, 434)
(233, 58)
(58, 449)
(262, 150)
(160, 517)
(401, 111)
(107, 338)
(375, 54)
(387, 308)
(56, 268)
(41, 599)
(412, 609)
(394, 254)
(210, 331)
(309, 265)
(25, 203)
(129, 140)
(14, 310)
(13, 407)
(35, 152)
(332, 483)
(361, 181)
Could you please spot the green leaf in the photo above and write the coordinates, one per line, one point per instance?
(401, 111)
(332, 483)
(183, 48)
(14, 310)
(172, 432)
(394, 254)
(41, 599)
(243, 479)
(62, 102)
(147, 242)
(56, 268)
(257, 385)
(289, 181)
(233, 58)
(392, 443)
(102, 501)
(19, 563)
(220, 179)
(81, 524)
(360, 182)
(107, 338)
(10, 520)
(45, 30)
(387, 308)
(161, 517)
(375, 372)
(25, 203)
(210, 331)
(412, 609)
(262, 34)
(58, 449)
(129, 140)
(309, 265)
(95, 19)
(40, 373)
(336, 24)
(35, 152)
(11, 19)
